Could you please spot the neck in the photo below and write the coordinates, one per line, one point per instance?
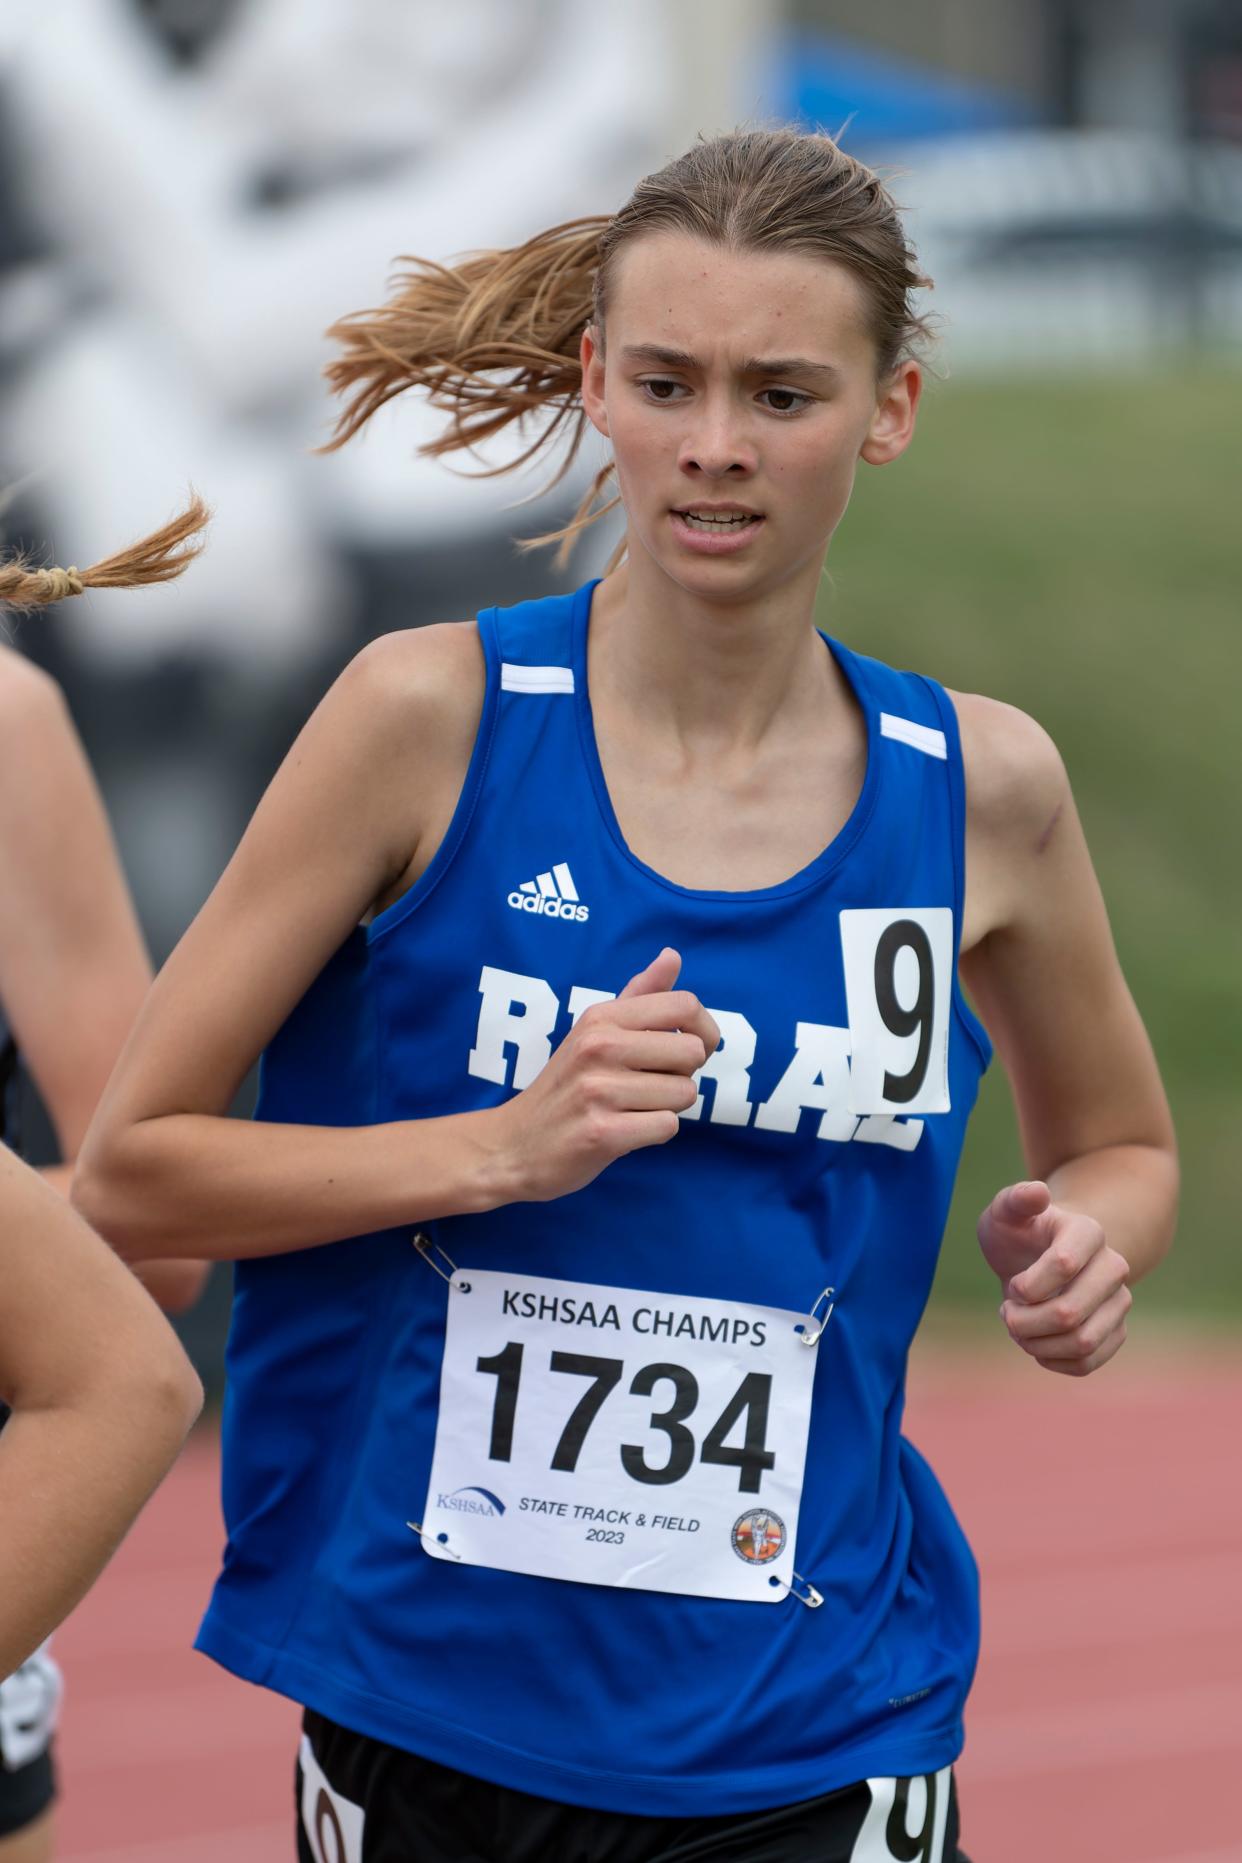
(705, 671)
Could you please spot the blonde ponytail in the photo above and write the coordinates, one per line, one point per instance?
(490, 339)
(157, 558)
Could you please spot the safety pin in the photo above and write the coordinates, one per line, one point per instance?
(807, 1595)
(813, 1332)
(424, 1244)
(432, 1540)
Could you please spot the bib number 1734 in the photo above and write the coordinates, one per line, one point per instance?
(746, 1411)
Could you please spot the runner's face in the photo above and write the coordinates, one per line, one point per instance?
(699, 416)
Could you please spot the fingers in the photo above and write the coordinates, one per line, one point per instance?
(1073, 1241)
(619, 1081)
(661, 974)
(648, 1051)
(657, 981)
(1075, 1306)
(1068, 1308)
(647, 1129)
(1074, 1354)
(629, 1092)
(618, 1070)
(1018, 1217)
(667, 1009)
(1020, 1203)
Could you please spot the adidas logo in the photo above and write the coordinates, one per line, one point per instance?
(552, 894)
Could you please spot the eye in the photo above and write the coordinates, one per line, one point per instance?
(787, 400)
(658, 388)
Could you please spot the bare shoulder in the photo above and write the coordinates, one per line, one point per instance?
(1020, 818)
(419, 686)
(40, 751)
(30, 699)
(1015, 778)
(389, 748)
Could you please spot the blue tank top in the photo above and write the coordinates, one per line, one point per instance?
(773, 1189)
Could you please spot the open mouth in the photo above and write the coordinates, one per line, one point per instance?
(719, 523)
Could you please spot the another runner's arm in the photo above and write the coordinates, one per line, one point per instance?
(102, 1398)
(1039, 959)
(73, 969)
(351, 818)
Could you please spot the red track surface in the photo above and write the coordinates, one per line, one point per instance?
(1105, 1726)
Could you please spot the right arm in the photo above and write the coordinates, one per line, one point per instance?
(351, 819)
(73, 966)
(102, 1398)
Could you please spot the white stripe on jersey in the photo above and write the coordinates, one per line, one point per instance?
(919, 736)
(514, 678)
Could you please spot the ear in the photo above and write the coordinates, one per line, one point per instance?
(591, 352)
(892, 425)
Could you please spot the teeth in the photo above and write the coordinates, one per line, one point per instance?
(696, 521)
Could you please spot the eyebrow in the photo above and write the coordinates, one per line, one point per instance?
(754, 365)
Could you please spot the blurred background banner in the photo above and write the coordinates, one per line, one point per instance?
(192, 190)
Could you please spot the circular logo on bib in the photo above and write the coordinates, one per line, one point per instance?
(759, 1537)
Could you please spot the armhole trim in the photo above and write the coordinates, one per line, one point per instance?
(467, 801)
(970, 1022)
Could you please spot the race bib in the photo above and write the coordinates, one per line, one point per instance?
(898, 989)
(615, 1437)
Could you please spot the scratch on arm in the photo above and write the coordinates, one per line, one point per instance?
(1042, 844)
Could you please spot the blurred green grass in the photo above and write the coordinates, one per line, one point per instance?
(1075, 547)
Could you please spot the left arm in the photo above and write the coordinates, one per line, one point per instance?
(1039, 960)
(73, 968)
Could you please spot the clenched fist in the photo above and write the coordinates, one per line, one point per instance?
(618, 1081)
(1066, 1297)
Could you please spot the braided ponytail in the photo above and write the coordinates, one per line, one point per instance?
(158, 558)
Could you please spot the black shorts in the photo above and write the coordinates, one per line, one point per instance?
(361, 1801)
(29, 1703)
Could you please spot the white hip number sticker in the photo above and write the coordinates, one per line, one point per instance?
(898, 965)
(29, 1709)
(333, 1823)
(906, 1820)
(614, 1437)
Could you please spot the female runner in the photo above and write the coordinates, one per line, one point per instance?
(73, 972)
(605, 955)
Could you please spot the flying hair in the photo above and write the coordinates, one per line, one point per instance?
(494, 339)
(158, 558)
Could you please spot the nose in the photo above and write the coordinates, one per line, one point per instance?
(715, 447)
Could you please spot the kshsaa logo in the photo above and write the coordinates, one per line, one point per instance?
(759, 1537)
(471, 1501)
